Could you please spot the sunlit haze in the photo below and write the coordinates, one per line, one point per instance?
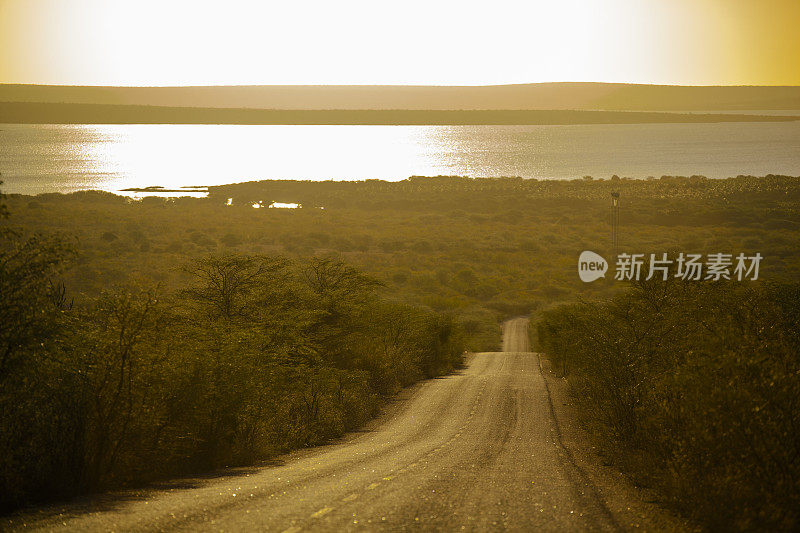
(692, 42)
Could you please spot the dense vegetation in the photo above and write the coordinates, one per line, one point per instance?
(477, 247)
(254, 355)
(694, 387)
(130, 290)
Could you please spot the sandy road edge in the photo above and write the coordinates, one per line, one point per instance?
(628, 504)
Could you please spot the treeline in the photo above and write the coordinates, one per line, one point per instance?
(694, 389)
(255, 355)
(484, 195)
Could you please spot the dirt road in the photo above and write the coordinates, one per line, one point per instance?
(477, 451)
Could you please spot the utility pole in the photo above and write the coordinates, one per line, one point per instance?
(615, 224)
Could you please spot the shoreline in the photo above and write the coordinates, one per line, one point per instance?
(436, 184)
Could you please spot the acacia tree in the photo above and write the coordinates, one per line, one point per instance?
(328, 277)
(336, 288)
(337, 293)
(225, 285)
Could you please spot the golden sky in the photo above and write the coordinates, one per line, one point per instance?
(428, 42)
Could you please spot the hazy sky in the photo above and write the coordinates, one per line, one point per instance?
(170, 42)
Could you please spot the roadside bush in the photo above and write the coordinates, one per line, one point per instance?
(698, 385)
(255, 356)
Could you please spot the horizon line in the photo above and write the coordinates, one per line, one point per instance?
(102, 86)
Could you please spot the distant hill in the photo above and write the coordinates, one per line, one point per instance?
(553, 96)
(60, 113)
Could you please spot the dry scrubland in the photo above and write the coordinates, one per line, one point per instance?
(144, 356)
(508, 246)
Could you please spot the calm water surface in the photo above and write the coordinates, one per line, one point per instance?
(64, 158)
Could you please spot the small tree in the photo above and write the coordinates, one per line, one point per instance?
(225, 284)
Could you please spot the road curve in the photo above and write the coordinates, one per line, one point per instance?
(477, 450)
